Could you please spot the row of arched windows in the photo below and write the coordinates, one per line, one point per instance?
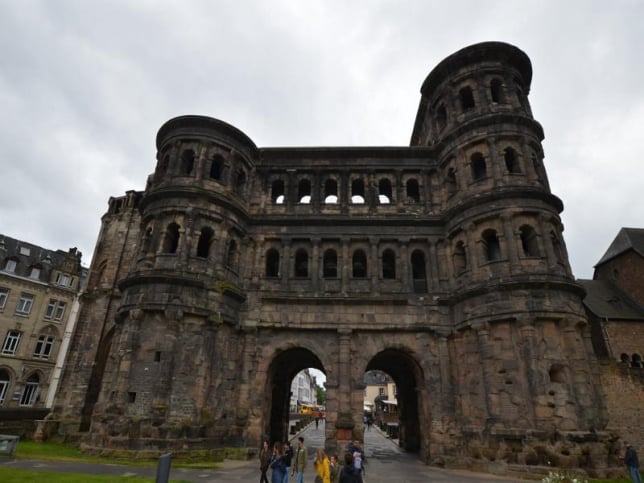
(491, 247)
(171, 241)
(216, 169)
(359, 265)
(467, 99)
(330, 193)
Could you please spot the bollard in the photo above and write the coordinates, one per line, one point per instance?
(163, 468)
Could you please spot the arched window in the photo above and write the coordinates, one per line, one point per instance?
(231, 256)
(624, 359)
(240, 182)
(187, 162)
(357, 192)
(479, 168)
(330, 264)
(388, 264)
(384, 191)
(413, 191)
(359, 264)
(171, 239)
(460, 258)
(450, 182)
(330, 191)
(418, 272)
(216, 167)
(491, 247)
(304, 192)
(301, 263)
(636, 360)
(277, 192)
(205, 240)
(29, 395)
(5, 381)
(441, 117)
(496, 90)
(272, 263)
(511, 162)
(467, 98)
(529, 241)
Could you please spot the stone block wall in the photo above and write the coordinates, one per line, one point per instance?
(624, 392)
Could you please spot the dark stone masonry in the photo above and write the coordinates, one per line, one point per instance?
(441, 263)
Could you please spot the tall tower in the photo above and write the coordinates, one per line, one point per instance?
(513, 298)
(183, 289)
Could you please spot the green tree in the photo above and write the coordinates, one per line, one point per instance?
(321, 392)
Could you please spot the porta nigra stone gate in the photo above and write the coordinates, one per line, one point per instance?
(442, 264)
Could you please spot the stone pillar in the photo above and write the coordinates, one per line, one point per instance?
(528, 335)
(470, 250)
(375, 265)
(245, 391)
(285, 262)
(201, 161)
(434, 281)
(345, 267)
(315, 264)
(547, 243)
(344, 423)
(511, 241)
(495, 162)
(447, 391)
(482, 334)
(405, 260)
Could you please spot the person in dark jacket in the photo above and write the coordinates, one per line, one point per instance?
(264, 461)
(349, 473)
(288, 458)
(632, 463)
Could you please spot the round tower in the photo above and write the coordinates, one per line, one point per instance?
(515, 307)
(181, 300)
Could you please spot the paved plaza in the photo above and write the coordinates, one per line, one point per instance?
(386, 463)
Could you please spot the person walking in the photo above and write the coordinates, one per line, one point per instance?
(300, 461)
(349, 473)
(288, 458)
(277, 464)
(334, 467)
(322, 467)
(264, 461)
(632, 463)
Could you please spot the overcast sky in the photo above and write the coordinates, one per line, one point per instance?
(85, 85)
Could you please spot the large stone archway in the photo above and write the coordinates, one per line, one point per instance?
(408, 376)
(283, 368)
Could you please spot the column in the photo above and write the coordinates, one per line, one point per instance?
(495, 162)
(511, 241)
(482, 334)
(315, 264)
(528, 335)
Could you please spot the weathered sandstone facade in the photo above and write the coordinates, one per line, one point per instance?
(442, 264)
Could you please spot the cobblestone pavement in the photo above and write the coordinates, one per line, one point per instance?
(386, 463)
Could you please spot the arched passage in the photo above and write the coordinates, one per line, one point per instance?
(408, 377)
(281, 372)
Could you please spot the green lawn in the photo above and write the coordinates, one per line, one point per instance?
(15, 475)
(29, 450)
